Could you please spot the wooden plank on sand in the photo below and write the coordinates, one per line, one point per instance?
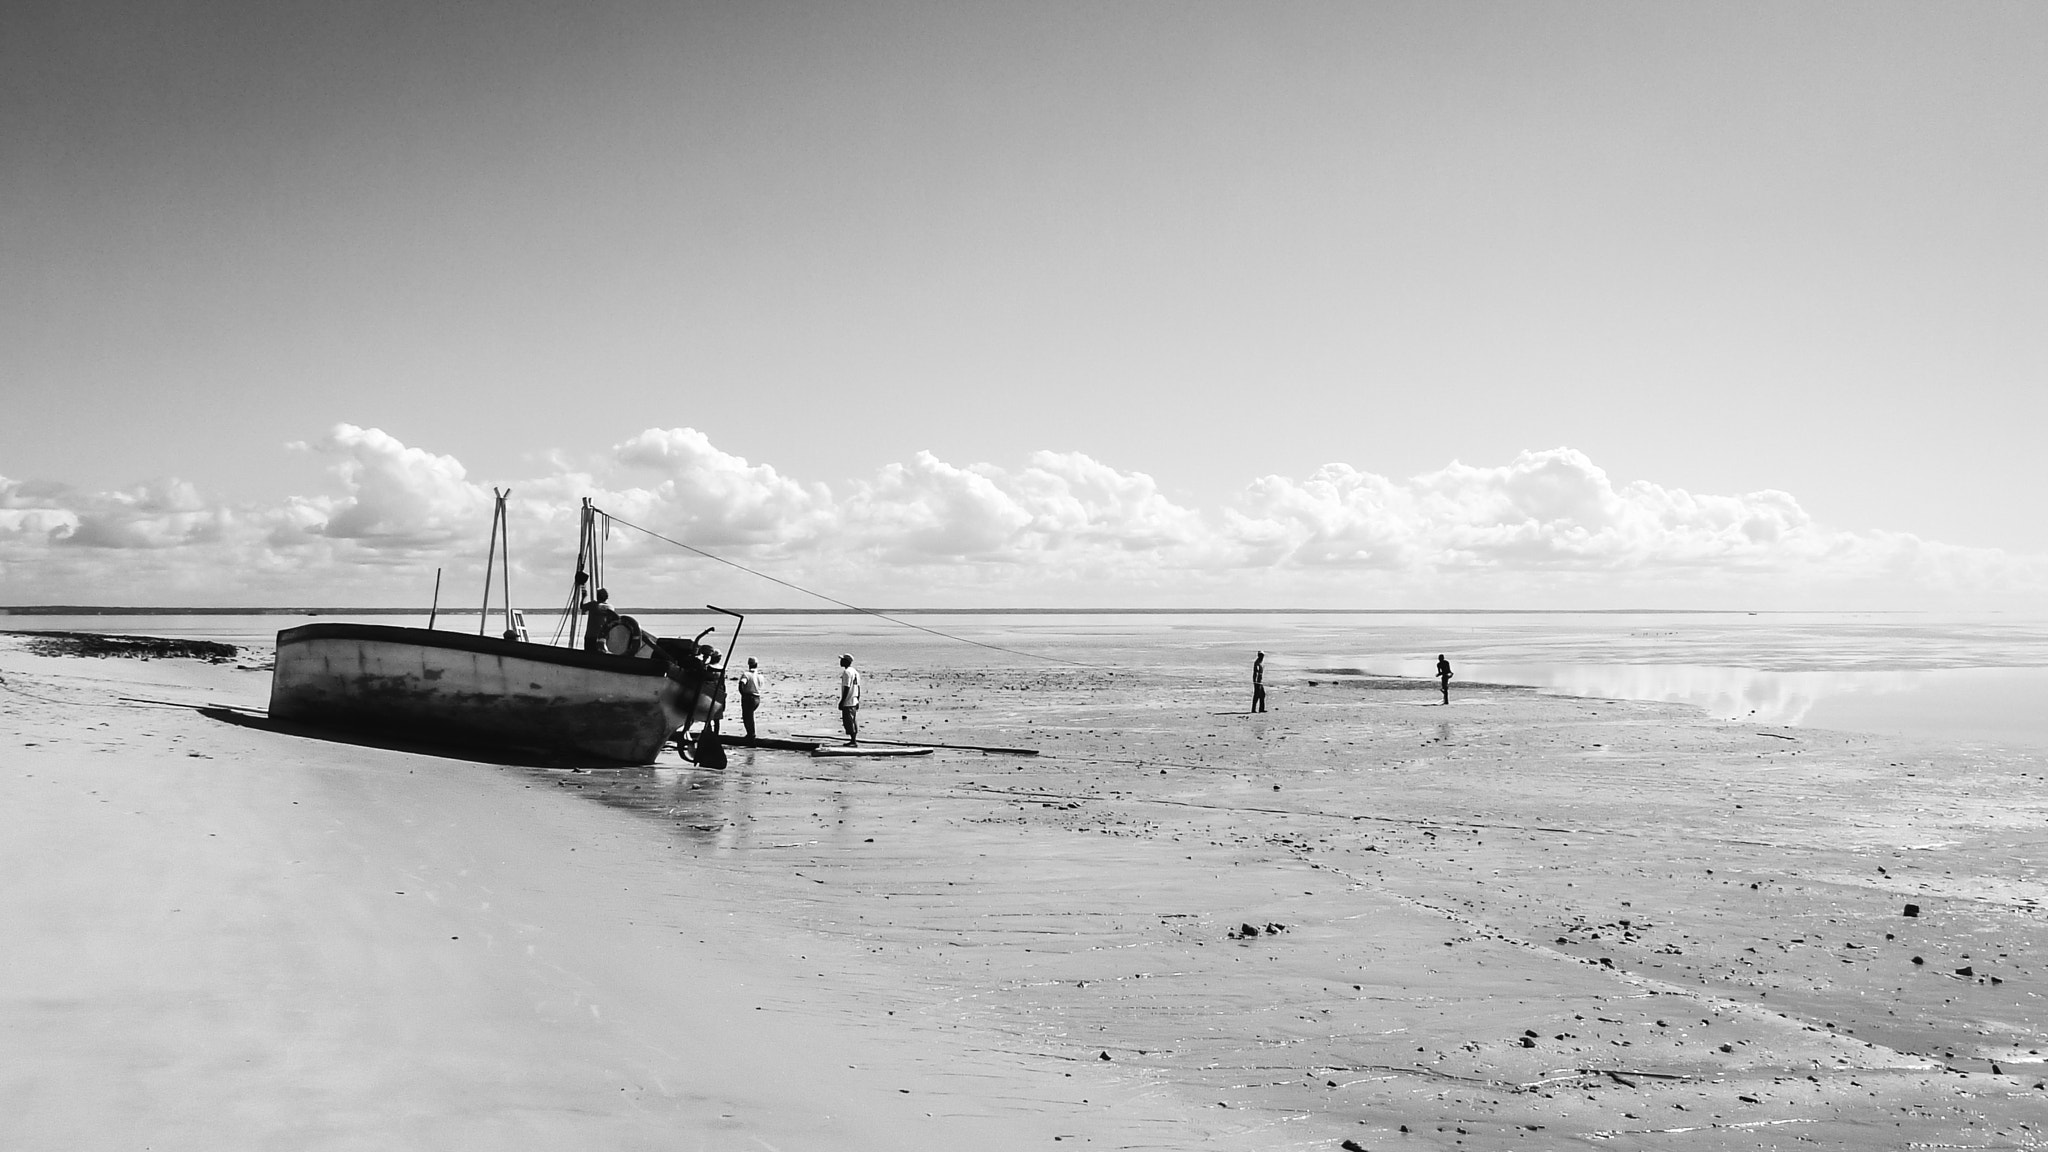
(929, 744)
(769, 742)
(866, 750)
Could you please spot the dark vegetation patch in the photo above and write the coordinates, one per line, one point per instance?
(1359, 678)
(131, 647)
(1355, 678)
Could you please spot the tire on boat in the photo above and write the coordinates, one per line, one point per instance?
(623, 638)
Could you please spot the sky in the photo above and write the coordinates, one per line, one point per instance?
(1339, 305)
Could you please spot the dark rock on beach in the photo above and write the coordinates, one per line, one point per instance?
(94, 644)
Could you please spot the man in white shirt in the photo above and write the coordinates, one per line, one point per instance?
(750, 694)
(849, 698)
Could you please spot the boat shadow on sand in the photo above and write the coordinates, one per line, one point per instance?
(404, 741)
(694, 803)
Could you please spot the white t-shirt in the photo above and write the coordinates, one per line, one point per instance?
(849, 687)
(750, 682)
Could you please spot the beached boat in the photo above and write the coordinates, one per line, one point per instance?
(450, 687)
(622, 704)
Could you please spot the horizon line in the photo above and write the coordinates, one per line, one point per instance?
(259, 610)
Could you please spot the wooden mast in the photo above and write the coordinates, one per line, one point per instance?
(501, 538)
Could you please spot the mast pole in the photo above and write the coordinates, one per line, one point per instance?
(583, 585)
(505, 573)
(483, 616)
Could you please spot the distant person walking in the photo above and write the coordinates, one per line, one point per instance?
(750, 694)
(1259, 682)
(1443, 674)
(849, 698)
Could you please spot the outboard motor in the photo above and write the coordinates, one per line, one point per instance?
(710, 750)
(700, 693)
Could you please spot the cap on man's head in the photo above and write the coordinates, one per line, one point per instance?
(846, 657)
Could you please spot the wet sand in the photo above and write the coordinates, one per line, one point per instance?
(1515, 922)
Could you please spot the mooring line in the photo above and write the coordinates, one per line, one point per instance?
(842, 603)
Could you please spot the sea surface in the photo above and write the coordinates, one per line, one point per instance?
(1970, 678)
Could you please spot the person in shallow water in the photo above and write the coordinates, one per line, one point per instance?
(849, 698)
(601, 618)
(1259, 682)
(1443, 674)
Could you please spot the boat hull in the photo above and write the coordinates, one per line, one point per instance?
(482, 692)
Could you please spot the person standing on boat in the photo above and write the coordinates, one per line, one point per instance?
(601, 618)
(1259, 682)
(849, 697)
(750, 694)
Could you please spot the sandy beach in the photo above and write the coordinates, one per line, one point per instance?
(1519, 921)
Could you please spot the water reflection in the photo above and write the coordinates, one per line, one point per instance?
(2001, 705)
(707, 808)
(727, 810)
(1727, 693)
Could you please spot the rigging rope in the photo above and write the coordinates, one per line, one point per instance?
(834, 600)
(590, 541)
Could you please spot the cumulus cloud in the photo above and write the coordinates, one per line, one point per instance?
(1337, 518)
(163, 514)
(1076, 500)
(1059, 507)
(36, 510)
(1547, 528)
(397, 497)
(929, 510)
(1557, 508)
(715, 497)
(166, 515)
(1547, 509)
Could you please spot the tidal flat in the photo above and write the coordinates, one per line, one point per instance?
(1521, 920)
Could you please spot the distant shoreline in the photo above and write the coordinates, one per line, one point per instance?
(99, 610)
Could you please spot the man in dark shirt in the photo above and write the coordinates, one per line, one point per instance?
(1443, 673)
(601, 618)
